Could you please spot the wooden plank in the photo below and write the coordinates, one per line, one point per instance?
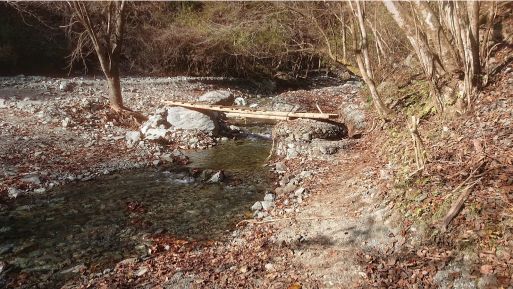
(251, 115)
(253, 111)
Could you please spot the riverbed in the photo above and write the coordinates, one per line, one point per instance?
(93, 225)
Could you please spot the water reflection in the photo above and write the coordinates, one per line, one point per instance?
(100, 222)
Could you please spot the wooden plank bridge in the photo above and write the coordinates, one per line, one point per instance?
(243, 112)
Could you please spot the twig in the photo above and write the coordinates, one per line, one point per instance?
(318, 108)
(253, 221)
(457, 205)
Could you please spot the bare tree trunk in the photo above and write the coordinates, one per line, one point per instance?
(362, 58)
(115, 98)
(107, 44)
(438, 38)
(429, 60)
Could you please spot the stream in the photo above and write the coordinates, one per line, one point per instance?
(92, 225)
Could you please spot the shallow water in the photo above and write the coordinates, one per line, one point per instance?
(100, 222)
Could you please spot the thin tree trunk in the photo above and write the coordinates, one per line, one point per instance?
(429, 60)
(362, 59)
(344, 48)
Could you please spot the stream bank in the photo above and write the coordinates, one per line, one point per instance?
(93, 141)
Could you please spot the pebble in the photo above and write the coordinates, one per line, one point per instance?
(266, 205)
(269, 197)
(299, 192)
(12, 192)
(256, 206)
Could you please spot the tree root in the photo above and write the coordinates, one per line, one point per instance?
(125, 116)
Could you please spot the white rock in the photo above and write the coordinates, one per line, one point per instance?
(66, 122)
(155, 134)
(266, 205)
(299, 192)
(12, 192)
(239, 101)
(222, 97)
(269, 197)
(184, 118)
(132, 138)
(33, 179)
(256, 206)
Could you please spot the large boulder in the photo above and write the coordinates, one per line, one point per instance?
(221, 97)
(184, 118)
(306, 130)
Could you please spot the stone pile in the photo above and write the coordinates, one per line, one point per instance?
(309, 138)
(287, 197)
(183, 127)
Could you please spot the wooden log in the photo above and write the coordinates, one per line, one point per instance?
(251, 115)
(253, 111)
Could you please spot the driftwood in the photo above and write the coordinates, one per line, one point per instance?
(253, 113)
(458, 204)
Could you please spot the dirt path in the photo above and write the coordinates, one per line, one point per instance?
(342, 217)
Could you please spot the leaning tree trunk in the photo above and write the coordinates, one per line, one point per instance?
(429, 60)
(363, 61)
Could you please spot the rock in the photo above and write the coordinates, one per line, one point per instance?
(354, 116)
(299, 192)
(266, 205)
(256, 206)
(66, 86)
(40, 190)
(155, 121)
(132, 138)
(216, 178)
(220, 97)
(66, 122)
(261, 215)
(33, 179)
(167, 157)
(156, 134)
(487, 281)
(296, 130)
(12, 193)
(184, 118)
(239, 101)
(289, 188)
(280, 167)
(269, 197)
(2, 103)
(6, 248)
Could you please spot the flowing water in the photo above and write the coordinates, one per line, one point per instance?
(98, 223)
